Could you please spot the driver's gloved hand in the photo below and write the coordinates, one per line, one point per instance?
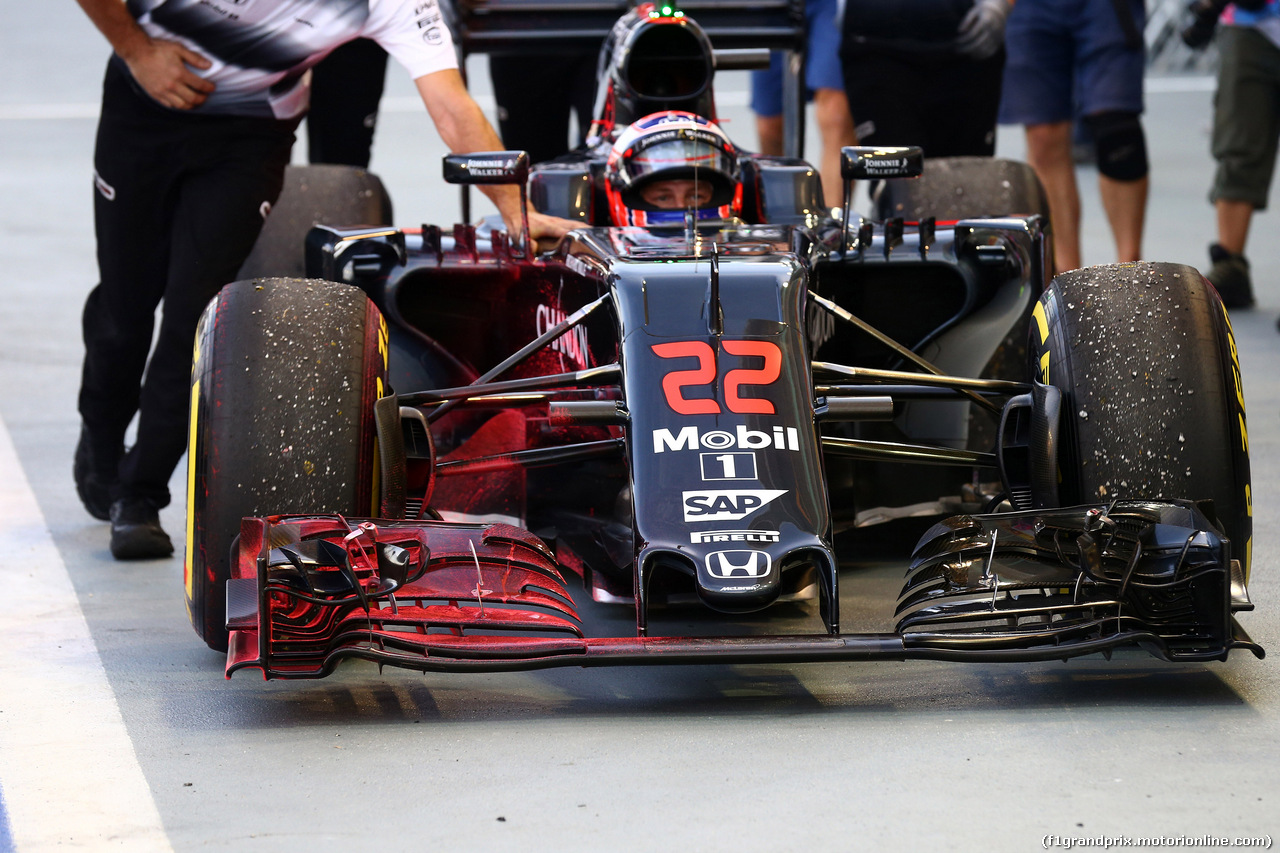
(981, 31)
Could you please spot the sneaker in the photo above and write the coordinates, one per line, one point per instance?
(96, 480)
(1230, 275)
(135, 530)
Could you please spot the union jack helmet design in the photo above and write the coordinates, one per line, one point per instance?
(667, 146)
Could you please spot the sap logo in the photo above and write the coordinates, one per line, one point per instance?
(732, 505)
(689, 438)
(572, 344)
(727, 565)
(705, 536)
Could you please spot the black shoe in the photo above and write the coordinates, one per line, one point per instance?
(135, 530)
(96, 479)
(1230, 275)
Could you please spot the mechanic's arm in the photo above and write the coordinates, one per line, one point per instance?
(463, 127)
(159, 66)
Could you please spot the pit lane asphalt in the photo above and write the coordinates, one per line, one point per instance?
(743, 758)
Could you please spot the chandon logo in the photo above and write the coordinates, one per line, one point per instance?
(573, 343)
(690, 438)
(738, 564)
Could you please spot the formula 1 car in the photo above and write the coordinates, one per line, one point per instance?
(410, 456)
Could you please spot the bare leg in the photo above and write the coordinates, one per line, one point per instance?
(1126, 205)
(1233, 224)
(769, 129)
(835, 123)
(1049, 153)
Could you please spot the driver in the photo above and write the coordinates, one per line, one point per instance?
(671, 162)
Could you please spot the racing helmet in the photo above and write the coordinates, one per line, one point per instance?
(673, 145)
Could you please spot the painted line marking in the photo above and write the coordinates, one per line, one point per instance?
(70, 776)
(6, 838)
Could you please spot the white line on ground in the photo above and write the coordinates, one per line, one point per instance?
(70, 775)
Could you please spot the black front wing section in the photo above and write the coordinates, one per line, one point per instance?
(310, 591)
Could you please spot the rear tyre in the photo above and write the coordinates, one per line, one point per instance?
(331, 195)
(1152, 402)
(286, 375)
(964, 188)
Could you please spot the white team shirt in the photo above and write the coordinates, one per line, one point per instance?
(262, 50)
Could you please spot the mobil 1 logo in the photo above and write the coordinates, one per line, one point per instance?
(728, 466)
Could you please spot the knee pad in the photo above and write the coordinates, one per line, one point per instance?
(1121, 145)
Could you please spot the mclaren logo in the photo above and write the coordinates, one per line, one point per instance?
(108, 191)
(729, 505)
(727, 565)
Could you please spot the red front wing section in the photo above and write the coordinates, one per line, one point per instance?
(308, 591)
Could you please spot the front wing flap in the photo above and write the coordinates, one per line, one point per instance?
(310, 591)
(1158, 573)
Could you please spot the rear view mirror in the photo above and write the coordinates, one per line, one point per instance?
(494, 167)
(866, 162)
(487, 167)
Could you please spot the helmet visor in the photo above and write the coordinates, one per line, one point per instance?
(680, 158)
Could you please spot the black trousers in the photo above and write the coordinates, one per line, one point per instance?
(946, 105)
(536, 95)
(178, 201)
(346, 88)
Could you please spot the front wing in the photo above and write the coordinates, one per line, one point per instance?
(310, 591)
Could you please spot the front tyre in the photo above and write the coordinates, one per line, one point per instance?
(283, 388)
(1153, 406)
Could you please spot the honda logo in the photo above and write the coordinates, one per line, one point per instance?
(727, 565)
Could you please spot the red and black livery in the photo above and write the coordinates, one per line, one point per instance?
(699, 414)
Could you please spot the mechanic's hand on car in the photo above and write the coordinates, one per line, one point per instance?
(544, 227)
(981, 31)
(163, 69)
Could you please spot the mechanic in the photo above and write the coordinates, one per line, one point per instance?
(1246, 130)
(200, 103)
(946, 60)
(670, 162)
(824, 87)
(1085, 54)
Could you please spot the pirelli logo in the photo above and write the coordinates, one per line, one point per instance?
(702, 537)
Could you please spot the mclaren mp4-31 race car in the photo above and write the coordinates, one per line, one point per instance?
(436, 447)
